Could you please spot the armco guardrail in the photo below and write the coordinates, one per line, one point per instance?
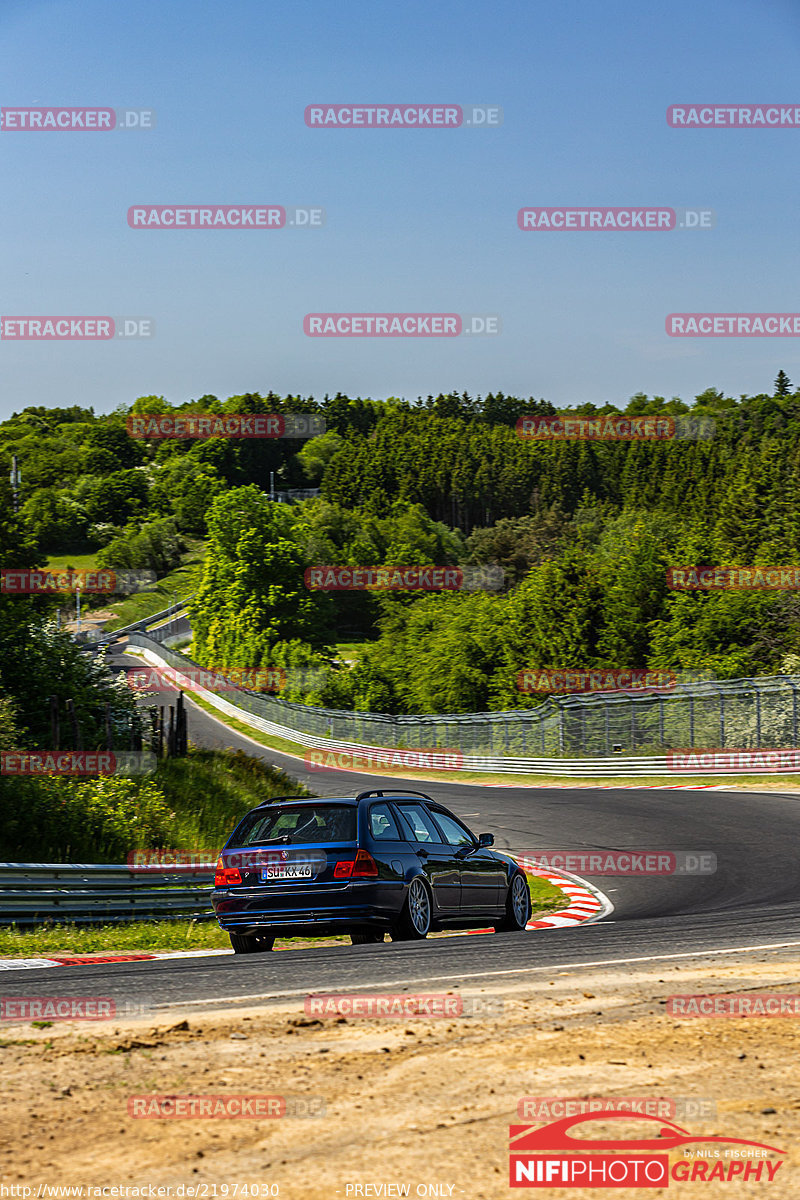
(580, 733)
(135, 626)
(279, 718)
(84, 894)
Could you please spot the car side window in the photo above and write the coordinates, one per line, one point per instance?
(454, 833)
(382, 824)
(418, 821)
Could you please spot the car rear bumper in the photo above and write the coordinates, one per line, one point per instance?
(312, 912)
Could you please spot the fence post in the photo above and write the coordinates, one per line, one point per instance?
(661, 720)
(794, 714)
(608, 743)
(180, 726)
(160, 735)
(722, 720)
(758, 719)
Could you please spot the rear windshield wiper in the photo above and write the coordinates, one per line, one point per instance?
(295, 832)
(283, 837)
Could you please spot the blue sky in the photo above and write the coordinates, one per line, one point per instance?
(417, 221)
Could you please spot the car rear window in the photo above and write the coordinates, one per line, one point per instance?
(313, 823)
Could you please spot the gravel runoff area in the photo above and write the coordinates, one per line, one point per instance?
(413, 1102)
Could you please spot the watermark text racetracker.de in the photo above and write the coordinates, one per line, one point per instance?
(196, 679)
(71, 120)
(621, 862)
(614, 427)
(403, 116)
(630, 219)
(373, 758)
(27, 582)
(401, 324)
(223, 1107)
(594, 679)
(764, 324)
(387, 578)
(199, 860)
(733, 116)
(75, 329)
(552, 1108)
(24, 1009)
(201, 426)
(400, 1005)
(722, 762)
(77, 762)
(699, 578)
(225, 216)
(733, 1004)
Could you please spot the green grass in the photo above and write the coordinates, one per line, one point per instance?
(139, 937)
(76, 562)
(545, 897)
(190, 803)
(181, 582)
(147, 937)
(211, 790)
(349, 652)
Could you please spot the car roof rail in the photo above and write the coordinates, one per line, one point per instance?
(277, 799)
(389, 792)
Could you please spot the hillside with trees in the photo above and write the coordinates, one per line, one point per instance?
(584, 531)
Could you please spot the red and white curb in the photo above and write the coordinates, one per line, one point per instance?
(586, 902)
(614, 787)
(88, 960)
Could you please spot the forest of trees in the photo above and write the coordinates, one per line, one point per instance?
(584, 530)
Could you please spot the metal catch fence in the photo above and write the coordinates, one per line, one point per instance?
(741, 714)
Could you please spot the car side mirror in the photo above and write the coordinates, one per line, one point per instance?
(485, 839)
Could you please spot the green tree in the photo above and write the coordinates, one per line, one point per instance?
(253, 593)
(783, 386)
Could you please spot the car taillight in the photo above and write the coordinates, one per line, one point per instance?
(225, 876)
(363, 866)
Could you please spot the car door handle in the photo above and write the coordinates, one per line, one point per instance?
(422, 854)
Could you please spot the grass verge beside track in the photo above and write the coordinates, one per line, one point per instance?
(147, 937)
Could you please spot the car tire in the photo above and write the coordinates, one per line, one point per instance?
(518, 905)
(415, 919)
(366, 937)
(251, 943)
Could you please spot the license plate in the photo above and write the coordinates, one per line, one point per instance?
(286, 871)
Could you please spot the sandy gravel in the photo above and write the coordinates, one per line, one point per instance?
(410, 1101)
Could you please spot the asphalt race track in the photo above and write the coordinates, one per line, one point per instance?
(752, 902)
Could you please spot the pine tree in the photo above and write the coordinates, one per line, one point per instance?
(782, 385)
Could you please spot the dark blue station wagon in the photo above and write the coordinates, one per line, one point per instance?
(378, 862)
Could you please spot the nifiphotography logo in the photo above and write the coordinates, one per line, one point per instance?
(565, 1154)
